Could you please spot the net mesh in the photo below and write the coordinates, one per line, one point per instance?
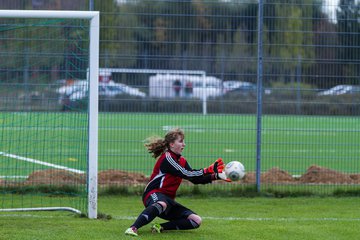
(43, 151)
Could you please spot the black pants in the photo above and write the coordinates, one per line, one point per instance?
(174, 210)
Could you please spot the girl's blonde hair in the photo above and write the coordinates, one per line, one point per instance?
(157, 145)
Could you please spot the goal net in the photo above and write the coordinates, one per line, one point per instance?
(48, 154)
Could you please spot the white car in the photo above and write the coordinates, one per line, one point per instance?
(112, 89)
(73, 86)
(120, 88)
(340, 89)
(240, 86)
(79, 90)
(232, 85)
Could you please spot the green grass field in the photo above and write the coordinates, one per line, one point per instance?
(223, 218)
(292, 143)
(30, 142)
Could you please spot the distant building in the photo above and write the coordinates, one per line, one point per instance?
(178, 85)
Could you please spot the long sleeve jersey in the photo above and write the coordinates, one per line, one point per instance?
(168, 173)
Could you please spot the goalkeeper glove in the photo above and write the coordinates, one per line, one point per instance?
(216, 167)
(222, 176)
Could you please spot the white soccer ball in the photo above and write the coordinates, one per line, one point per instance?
(235, 170)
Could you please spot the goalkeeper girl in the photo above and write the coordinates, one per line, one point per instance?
(169, 170)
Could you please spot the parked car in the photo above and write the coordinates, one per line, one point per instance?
(78, 90)
(112, 89)
(72, 86)
(241, 87)
(340, 89)
(232, 85)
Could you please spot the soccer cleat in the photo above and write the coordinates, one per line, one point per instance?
(156, 228)
(131, 232)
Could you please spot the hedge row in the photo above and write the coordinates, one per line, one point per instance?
(240, 104)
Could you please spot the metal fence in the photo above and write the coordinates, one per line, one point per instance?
(279, 92)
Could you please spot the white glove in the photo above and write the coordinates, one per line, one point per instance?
(223, 176)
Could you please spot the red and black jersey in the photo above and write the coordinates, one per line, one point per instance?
(168, 173)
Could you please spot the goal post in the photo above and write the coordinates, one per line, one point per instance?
(33, 93)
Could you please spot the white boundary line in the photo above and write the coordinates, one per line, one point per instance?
(263, 219)
(41, 209)
(282, 219)
(40, 162)
(217, 218)
(14, 176)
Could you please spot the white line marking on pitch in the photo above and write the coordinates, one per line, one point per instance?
(262, 219)
(14, 176)
(40, 162)
(281, 219)
(214, 218)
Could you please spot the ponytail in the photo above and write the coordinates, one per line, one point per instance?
(157, 145)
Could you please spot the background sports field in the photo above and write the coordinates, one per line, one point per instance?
(292, 143)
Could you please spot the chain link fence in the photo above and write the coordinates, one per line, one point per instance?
(195, 64)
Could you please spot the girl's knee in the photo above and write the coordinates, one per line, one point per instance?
(163, 204)
(195, 218)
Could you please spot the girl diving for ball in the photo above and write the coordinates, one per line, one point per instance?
(169, 170)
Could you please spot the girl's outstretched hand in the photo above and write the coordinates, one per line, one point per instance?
(216, 167)
(222, 176)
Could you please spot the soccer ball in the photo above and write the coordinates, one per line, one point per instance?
(235, 170)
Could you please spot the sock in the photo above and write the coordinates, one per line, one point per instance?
(181, 224)
(148, 215)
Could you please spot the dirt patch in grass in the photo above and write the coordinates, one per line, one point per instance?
(276, 175)
(63, 177)
(273, 175)
(118, 177)
(355, 178)
(316, 174)
(55, 177)
(313, 175)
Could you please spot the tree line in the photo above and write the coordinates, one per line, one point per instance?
(300, 41)
(222, 39)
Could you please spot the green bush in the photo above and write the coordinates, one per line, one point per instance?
(281, 101)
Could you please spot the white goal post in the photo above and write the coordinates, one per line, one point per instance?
(94, 24)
